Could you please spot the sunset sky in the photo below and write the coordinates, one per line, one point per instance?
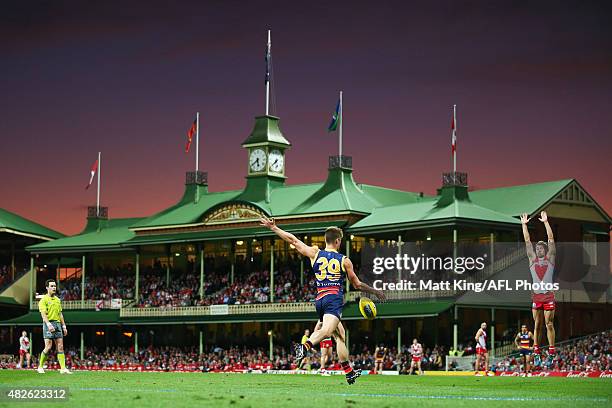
(532, 82)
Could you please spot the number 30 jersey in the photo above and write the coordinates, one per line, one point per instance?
(329, 273)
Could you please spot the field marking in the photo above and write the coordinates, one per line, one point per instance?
(122, 389)
(407, 396)
(476, 398)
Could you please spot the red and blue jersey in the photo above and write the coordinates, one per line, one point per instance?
(329, 273)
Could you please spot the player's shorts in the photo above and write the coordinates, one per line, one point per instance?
(525, 352)
(329, 304)
(481, 350)
(416, 359)
(23, 352)
(57, 334)
(543, 305)
(327, 343)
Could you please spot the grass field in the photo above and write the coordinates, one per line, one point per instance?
(116, 389)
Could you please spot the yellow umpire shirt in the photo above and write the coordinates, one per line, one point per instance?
(52, 306)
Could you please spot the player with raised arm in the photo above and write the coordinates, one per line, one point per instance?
(329, 267)
(523, 343)
(24, 349)
(542, 267)
(54, 327)
(481, 349)
(416, 350)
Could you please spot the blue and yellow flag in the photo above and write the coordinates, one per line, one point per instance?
(336, 118)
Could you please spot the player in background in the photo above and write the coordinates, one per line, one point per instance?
(24, 349)
(416, 349)
(326, 347)
(379, 358)
(481, 349)
(330, 269)
(523, 343)
(54, 326)
(541, 266)
(306, 359)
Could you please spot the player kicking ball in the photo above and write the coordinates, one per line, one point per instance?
(330, 268)
(54, 327)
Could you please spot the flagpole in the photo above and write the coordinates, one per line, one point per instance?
(340, 131)
(455, 134)
(197, 143)
(98, 195)
(268, 56)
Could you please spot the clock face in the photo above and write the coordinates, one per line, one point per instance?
(277, 161)
(257, 160)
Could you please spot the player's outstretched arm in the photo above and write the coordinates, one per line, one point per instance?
(302, 248)
(552, 250)
(359, 285)
(477, 335)
(530, 252)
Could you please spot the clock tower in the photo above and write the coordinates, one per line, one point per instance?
(266, 147)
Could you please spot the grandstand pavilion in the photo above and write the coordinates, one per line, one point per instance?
(216, 235)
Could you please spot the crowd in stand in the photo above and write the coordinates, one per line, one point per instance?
(5, 274)
(593, 353)
(184, 290)
(216, 359)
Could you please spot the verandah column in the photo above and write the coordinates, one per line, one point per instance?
(32, 273)
(348, 255)
(492, 332)
(168, 255)
(82, 344)
(271, 270)
(137, 283)
(456, 314)
(201, 246)
(12, 261)
(83, 259)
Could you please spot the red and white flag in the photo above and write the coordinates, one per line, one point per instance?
(192, 131)
(454, 135)
(94, 168)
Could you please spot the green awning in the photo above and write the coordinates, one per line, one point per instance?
(64, 261)
(8, 301)
(351, 312)
(77, 317)
(232, 233)
(597, 229)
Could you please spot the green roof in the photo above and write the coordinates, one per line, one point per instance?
(109, 236)
(515, 200)
(341, 193)
(187, 210)
(16, 224)
(431, 211)
(266, 130)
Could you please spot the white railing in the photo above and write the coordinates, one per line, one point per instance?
(88, 304)
(217, 310)
(407, 294)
